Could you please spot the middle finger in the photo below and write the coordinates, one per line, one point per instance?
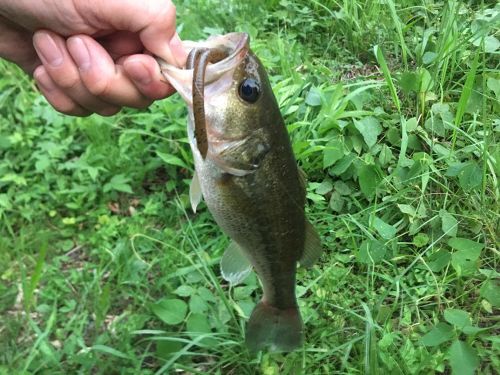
(51, 48)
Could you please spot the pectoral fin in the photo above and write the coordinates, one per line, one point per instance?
(312, 247)
(195, 195)
(234, 266)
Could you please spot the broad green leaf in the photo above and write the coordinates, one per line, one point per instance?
(421, 239)
(415, 171)
(426, 80)
(491, 291)
(118, 182)
(369, 179)
(325, 187)
(371, 251)
(439, 260)
(198, 324)
(342, 187)
(333, 152)
(357, 142)
(441, 150)
(463, 358)
(409, 82)
(197, 304)
(393, 135)
(464, 244)
(407, 209)
(385, 155)
(343, 164)
(313, 97)
(429, 57)
(15, 178)
(454, 169)
(5, 201)
(386, 231)
(471, 176)
(184, 291)
(370, 129)
(315, 197)
(435, 125)
(472, 330)
(411, 124)
(171, 159)
(465, 259)
(165, 348)
(459, 318)
(42, 163)
(492, 83)
(441, 332)
(171, 311)
(336, 202)
(491, 44)
(449, 224)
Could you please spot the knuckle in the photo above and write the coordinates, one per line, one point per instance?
(100, 88)
(68, 81)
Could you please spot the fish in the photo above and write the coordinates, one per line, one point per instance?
(246, 172)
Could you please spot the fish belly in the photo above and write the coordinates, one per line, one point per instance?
(264, 213)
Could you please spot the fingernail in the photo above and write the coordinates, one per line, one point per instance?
(43, 80)
(178, 51)
(138, 72)
(47, 49)
(79, 52)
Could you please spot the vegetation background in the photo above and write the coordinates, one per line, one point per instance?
(393, 112)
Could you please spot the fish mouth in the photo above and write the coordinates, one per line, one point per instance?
(237, 45)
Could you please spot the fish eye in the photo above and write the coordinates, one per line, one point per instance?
(249, 90)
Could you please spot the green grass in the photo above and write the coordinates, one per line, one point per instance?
(393, 109)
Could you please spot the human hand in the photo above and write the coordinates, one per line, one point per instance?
(92, 56)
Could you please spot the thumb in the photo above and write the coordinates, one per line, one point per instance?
(159, 35)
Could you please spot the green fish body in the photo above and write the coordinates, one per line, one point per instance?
(251, 184)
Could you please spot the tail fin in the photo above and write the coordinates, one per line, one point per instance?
(281, 330)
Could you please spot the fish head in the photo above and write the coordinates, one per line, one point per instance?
(241, 102)
(237, 45)
(238, 99)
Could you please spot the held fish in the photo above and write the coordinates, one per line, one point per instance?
(248, 176)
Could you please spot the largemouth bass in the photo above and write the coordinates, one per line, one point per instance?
(249, 179)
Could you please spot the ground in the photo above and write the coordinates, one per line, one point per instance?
(393, 111)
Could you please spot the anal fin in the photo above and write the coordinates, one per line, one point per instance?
(234, 265)
(312, 247)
